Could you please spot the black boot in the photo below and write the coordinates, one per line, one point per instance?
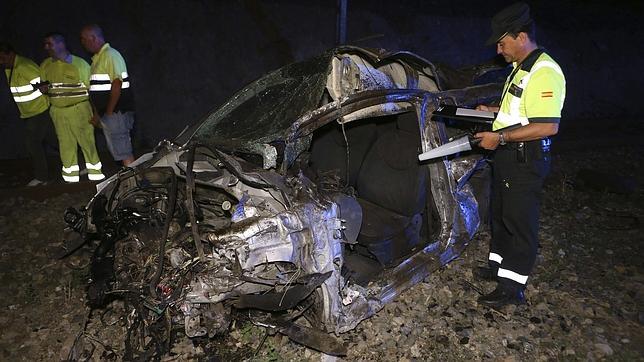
(506, 292)
(486, 273)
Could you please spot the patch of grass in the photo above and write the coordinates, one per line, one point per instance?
(79, 278)
(270, 351)
(31, 294)
(248, 333)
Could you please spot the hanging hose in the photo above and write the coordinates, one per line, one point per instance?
(190, 187)
(172, 200)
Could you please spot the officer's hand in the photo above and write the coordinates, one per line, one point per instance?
(483, 107)
(43, 88)
(95, 121)
(489, 140)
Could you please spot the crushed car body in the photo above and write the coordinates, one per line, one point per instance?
(300, 201)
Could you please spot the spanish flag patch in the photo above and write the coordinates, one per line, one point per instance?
(546, 94)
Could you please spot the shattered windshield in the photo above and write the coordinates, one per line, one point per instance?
(263, 110)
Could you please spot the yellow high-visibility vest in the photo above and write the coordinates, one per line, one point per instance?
(69, 82)
(534, 92)
(21, 78)
(107, 65)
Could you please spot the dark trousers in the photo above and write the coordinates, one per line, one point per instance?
(517, 181)
(38, 130)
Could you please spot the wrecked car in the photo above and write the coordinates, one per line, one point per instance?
(300, 201)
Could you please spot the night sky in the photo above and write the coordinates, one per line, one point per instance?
(187, 57)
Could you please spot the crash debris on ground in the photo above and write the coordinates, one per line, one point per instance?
(584, 301)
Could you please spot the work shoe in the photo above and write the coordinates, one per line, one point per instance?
(504, 294)
(36, 182)
(486, 273)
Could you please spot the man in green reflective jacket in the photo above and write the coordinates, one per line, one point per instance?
(68, 77)
(23, 77)
(110, 93)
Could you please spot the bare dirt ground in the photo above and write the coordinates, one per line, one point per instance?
(585, 300)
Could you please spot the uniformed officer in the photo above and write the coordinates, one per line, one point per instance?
(529, 113)
(110, 93)
(70, 110)
(23, 76)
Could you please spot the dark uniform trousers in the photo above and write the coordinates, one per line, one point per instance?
(39, 134)
(518, 172)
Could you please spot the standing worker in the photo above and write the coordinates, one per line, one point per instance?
(71, 111)
(530, 106)
(23, 77)
(110, 94)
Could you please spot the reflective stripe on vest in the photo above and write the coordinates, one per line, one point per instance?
(26, 93)
(67, 90)
(102, 82)
(26, 88)
(513, 117)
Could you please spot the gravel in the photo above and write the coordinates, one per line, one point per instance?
(585, 298)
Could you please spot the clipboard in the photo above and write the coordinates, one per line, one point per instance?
(465, 114)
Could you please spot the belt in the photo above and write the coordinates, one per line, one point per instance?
(544, 143)
(70, 105)
(528, 149)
